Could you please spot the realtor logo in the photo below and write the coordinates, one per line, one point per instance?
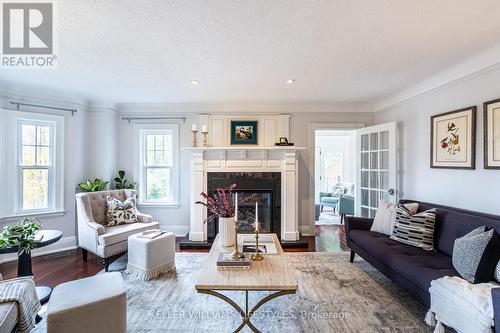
(28, 29)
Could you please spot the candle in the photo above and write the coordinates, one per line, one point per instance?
(236, 206)
(194, 128)
(204, 128)
(256, 216)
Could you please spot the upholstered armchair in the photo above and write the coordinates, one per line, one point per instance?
(102, 240)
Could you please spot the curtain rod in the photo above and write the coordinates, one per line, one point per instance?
(129, 119)
(18, 104)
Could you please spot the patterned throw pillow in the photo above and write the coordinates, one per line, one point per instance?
(386, 216)
(121, 212)
(497, 272)
(415, 230)
(475, 255)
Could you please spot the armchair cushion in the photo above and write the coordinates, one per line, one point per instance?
(120, 233)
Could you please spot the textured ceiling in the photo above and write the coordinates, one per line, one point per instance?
(339, 51)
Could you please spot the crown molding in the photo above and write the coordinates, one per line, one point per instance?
(477, 65)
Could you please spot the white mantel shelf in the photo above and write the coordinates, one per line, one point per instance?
(291, 148)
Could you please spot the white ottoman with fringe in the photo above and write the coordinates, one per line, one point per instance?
(151, 258)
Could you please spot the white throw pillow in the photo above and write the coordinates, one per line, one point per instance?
(497, 272)
(386, 216)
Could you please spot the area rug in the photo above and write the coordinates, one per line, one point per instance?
(334, 296)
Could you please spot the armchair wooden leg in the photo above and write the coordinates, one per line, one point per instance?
(342, 218)
(105, 264)
(321, 208)
(84, 254)
(352, 256)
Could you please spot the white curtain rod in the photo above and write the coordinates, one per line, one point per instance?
(19, 104)
(129, 119)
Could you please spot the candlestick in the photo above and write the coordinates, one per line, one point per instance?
(194, 136)
(236, 254)
(204, 129)
(205, 138)
(194, 128)
(257, 256)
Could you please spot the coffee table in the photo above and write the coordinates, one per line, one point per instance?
(271, 274)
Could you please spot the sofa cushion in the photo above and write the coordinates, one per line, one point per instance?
(415, 230)
(8, 316)
(415, 264)
(120, 233)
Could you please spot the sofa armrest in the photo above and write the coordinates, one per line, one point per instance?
(495, 294)
(144, 218)
(356, 223)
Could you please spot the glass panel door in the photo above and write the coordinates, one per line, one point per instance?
(376, 167)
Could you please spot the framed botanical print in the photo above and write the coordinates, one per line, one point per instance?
(243, 132)
(453, 139)
(492, 134)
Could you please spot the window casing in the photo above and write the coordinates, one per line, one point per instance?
(158, 168)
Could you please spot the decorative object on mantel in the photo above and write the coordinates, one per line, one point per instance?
(284, 142)
(243, 132)
(491, 134)
(204, 131)
(221, 206)
(453, 139)
(194, 130)
(257, 256)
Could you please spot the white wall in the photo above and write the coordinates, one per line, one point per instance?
(103, 144)
(471, 189)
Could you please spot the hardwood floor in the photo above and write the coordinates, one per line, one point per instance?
(55, 269)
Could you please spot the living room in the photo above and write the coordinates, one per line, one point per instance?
(163, 171)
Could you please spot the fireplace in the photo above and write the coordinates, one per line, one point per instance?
(266, 186)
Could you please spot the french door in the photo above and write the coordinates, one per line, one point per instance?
(376, 168)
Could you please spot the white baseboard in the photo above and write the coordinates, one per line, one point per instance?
(178, 230)
(64, 244)
(307, 230)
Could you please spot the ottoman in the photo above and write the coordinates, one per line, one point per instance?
(94, 304)
(149, 258)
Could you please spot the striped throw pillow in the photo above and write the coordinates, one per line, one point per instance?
(415, 230)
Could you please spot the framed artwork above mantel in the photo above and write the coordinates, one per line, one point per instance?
(243, 132)
(492, 134)
(453, 139)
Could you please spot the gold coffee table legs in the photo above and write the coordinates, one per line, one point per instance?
(245, 315)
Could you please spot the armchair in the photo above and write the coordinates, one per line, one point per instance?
(346, 206)
(99, 239)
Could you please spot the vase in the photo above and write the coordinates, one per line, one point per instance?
(226, 231)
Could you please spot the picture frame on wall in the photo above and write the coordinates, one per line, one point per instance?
(491, 112)
(453, 139)
(243, 132)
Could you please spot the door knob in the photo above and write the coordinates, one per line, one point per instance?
(390, 191)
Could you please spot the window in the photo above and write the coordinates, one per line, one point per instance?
(158, 169)
(35, 165)
(31, 163)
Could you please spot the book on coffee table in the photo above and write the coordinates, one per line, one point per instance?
(224, 261)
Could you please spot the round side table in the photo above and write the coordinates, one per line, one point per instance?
(24, 267)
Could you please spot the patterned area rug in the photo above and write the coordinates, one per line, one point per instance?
(334, 296)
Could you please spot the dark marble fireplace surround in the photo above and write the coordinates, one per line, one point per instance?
(267, 186)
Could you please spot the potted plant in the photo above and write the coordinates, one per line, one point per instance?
(94, 185)
(221, 205)
(121, 183)
(21, 235)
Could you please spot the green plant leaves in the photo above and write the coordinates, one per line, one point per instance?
(21, 234)
(121, 183)
(93, 185)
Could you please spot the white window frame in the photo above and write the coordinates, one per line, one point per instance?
(11, 163)
(140, 169)
(50, 167)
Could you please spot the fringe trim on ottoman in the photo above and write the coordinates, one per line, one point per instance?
(143, 274)
(430, 318)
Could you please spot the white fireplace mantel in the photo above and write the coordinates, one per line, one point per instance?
(245, 159)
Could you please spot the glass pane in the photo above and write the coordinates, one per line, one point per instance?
(159, 142)
(364, 178)
(43, 155)
(373, 212)
(374, 160)
(35, 189)
(384, 140)
(374, 179)
(374, 199)
(159, 157)
(150, 143)
(364, 212)
(28, 134)
(374, 141)
(43, 135)
(364, 142)
(158, 184)
(28, 157)
(384, 180)
(365, 161)
(384, 160)
(384, 196)
(364, 197)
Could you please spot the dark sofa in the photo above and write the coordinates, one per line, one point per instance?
(412, 268)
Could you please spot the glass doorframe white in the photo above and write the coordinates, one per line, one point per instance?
(312, 157)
